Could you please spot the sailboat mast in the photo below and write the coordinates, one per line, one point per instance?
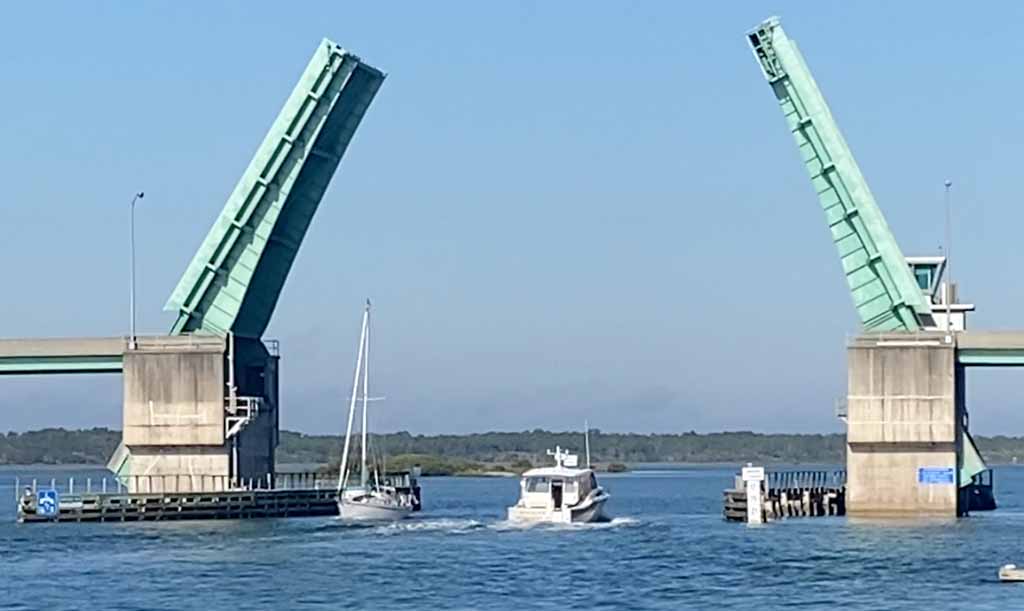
(343, 473)
(366, 390)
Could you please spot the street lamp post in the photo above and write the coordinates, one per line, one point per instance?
(949, 251)
(131, 296)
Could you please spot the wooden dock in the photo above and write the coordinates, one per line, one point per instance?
(288, 495)
(227, 505)
(791, 494)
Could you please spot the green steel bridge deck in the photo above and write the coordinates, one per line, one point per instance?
(236, 277)
(883, 288)
(888, 299)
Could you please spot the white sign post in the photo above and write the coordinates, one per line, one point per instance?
(753, 476)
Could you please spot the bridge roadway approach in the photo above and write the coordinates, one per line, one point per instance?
(990, 348)
(973, 348)
(54, 355)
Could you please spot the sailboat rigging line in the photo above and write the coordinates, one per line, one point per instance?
(366, 390)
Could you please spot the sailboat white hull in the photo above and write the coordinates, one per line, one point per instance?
(372, 510)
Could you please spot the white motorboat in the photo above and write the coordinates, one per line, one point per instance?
(370, 500)
(562, 494)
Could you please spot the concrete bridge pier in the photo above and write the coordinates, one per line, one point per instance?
(199, 411)
(905, 417)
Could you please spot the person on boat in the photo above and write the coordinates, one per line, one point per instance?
(28, 500)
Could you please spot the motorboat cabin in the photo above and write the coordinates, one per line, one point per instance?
(564, 493)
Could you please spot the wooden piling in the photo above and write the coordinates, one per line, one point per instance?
(790, 494)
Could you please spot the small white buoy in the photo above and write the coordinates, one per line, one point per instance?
(1010, 572)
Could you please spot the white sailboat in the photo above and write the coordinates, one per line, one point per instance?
(370, 500)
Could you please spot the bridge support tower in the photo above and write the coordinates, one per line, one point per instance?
(905, 423)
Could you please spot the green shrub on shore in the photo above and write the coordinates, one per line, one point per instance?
(429, 465)
(432, 465)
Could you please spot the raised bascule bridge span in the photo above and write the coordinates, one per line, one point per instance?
(909, 451)
(201, 404)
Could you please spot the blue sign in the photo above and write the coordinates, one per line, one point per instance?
(936, 475)
(48, 503)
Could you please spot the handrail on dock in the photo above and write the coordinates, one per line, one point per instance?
(794, 479)
(71, 488)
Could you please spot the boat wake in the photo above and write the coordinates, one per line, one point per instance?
(507, 525)
(452, 526)
(616, 522)
(460, 526)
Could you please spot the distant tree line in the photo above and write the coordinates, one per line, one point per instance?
(58, 446)
(94, 446)
(507, 447)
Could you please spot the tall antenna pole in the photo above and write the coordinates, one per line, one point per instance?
(131, 288)
(586, 440)
(949, 251)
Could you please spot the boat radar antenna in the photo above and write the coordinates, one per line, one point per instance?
(559, 455)
(586, 440)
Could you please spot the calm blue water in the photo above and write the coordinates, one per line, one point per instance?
(668, 548)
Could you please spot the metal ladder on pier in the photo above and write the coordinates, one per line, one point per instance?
(239, 412)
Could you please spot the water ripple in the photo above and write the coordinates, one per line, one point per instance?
(667, 548)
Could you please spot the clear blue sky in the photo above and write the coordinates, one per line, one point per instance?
(561, 210)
